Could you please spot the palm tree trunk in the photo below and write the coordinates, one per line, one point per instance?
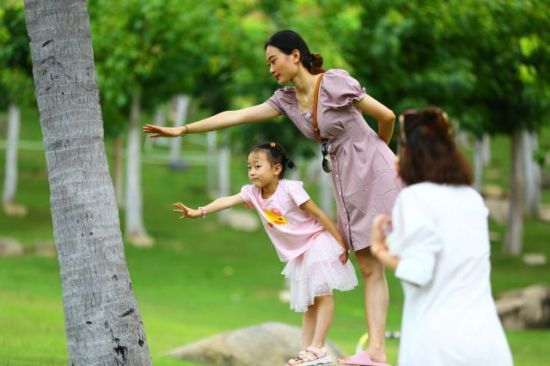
(102, 321)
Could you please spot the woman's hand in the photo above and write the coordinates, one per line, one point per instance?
(378, 237)
(158, 131)
(186, 212)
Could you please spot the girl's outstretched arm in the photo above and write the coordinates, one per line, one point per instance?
(383, 115)
(311, 208)
(260, 112)
(217, 205)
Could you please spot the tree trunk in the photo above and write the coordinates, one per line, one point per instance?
(118, 161)
(10, 178)
(514, 234)
(176, 163)
(135, 230)
(212, 164)
(532, 174)
(224, 178)
(478, 164)
(327, 196)
(102, 320)
(160, 120)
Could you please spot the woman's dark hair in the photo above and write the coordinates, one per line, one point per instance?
(288, 41)
(276, 155)
(428, 151)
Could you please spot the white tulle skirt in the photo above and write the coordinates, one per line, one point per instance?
(317, 272)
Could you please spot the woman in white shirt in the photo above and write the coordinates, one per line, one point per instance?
(439, 248)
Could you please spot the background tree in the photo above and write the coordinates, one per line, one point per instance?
(102, 321)
(16, 87)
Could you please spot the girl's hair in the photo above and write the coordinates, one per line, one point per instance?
(288, 41)
(276, 155)
(429, 153)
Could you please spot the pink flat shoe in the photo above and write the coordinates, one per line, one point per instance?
(361, 359)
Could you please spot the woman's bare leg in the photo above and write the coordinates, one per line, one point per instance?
(376, 303)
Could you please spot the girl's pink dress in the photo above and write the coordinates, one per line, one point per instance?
(313, 268)
(365, 182)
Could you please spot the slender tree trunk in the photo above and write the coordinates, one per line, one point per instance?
(478, 164)
(532, 174)
(135, 230)
(176, 163)
(118, 162)
(224, 177)
(514, 235)
(327, 197)
(212, 164)
(102, 320)
(10, 178)
(160, 120)
(486, 149)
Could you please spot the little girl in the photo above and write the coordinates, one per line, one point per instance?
(303, 236)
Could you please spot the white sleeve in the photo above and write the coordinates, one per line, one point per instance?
(414, 239)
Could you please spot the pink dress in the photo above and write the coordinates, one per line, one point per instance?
(365, 182)
(312, 253)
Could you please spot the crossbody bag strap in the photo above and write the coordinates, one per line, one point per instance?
(316, 131)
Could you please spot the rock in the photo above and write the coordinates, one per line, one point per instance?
(45, 249)
(525, 308)
(140, 240)
(534, 259)
(544, 213)
(242, 220)
(492, 191)
(15, 209)
(498, 209)
(266, 344)
(10, 247)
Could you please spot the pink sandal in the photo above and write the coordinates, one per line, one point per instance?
(361, 359)
(310, 357)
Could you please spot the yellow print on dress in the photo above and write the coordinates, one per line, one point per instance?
(275, 216)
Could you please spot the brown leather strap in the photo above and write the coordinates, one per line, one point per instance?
(316, 131)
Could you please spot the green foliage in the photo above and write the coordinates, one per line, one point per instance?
(15, 62)
(485, 62)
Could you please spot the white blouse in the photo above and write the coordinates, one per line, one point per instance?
(440, 234)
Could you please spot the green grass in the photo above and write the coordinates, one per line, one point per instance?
(200, 278)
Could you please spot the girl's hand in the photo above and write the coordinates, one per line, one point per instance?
(344, 257)
(158, 131)
(379, 231)
(186, 212)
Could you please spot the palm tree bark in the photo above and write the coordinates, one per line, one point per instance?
(102, 321)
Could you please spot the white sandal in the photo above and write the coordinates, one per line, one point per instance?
(310, 357)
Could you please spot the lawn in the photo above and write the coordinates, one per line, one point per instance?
(200, 278)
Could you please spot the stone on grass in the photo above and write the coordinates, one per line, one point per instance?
(266, 344)
(10, 247)
(242, 220)
(525, 308)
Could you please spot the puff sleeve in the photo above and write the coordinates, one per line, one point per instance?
(414, 239)
(341, 89)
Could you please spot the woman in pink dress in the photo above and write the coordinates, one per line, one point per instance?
(364, 179)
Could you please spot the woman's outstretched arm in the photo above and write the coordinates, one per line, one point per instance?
(260, 112)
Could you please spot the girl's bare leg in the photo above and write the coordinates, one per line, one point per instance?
(325, 313)
(376, 303)
(308, 325)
